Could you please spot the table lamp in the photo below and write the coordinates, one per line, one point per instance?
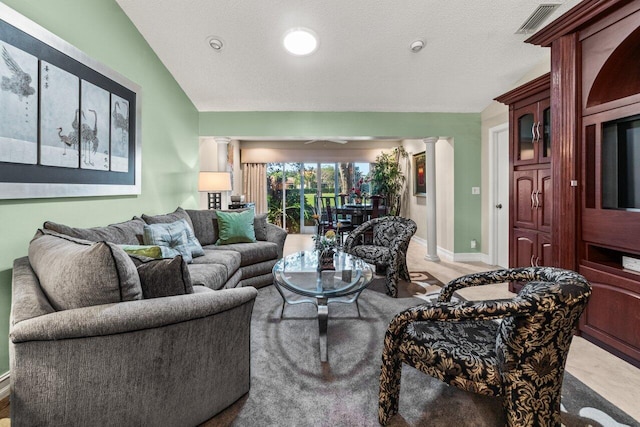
(214, 183)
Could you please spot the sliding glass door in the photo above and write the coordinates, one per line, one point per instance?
(293, 188)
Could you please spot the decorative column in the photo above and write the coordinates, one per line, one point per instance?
(223, 144)
(223, 156)
(432, 240)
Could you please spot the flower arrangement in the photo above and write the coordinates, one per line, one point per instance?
(328, 241)
(357, 192)
(326, 246)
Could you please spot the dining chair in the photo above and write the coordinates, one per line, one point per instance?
(330, 219)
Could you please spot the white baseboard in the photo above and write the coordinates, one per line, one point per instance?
(445, 254)
(448, 256)
(4, 385)
(470, 257)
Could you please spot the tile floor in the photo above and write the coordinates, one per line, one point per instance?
(611, 377)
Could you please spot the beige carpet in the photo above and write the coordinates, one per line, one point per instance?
(291, 387)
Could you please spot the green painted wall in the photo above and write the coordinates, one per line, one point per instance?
(169, 135)
(464, 128)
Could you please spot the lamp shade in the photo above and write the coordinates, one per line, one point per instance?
(214, 181)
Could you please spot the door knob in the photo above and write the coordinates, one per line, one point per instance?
(499, 206)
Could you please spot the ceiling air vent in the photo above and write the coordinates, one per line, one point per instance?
(537, 17)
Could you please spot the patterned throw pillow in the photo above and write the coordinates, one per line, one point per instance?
(235, 227)
(171, 235)
(194, 244)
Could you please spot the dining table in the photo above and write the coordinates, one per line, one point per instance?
(357, 212)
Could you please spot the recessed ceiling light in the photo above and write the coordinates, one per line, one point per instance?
(300, 41)
(416, 46)
(216, 43)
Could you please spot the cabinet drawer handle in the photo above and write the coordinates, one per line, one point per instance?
(537, 261)
(531, 261)
(533, 132)
(538, 132)
(533, 202)
(537, 199)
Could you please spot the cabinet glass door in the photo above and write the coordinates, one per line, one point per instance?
(524, 141)
(545, 147)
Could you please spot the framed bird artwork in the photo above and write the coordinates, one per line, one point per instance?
(69, 126)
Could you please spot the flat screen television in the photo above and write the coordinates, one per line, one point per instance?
(621, 164)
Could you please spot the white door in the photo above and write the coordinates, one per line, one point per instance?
(500, 206)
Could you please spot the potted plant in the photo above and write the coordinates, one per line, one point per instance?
(387, 177)
(326, 246)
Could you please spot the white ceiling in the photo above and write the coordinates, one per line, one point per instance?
(363, 62)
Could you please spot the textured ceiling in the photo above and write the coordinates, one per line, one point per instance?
(363, 62)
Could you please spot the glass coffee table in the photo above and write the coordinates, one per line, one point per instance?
(299, 274)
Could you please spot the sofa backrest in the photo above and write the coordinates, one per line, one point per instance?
(123, 233)
(203, 222)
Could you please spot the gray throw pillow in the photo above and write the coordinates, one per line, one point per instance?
(260, 226)
(123, 233)
(74, 274)
(205, 226)
(163, 277)
(174, 216)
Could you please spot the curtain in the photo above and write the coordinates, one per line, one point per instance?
(254, 185)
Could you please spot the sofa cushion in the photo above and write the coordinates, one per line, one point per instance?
(213, 276)
(164, 277)
(235, 227)
(251, 253)
(122, 233)
(174, 216)
(173, 235)
(74, 274)
(231, 259)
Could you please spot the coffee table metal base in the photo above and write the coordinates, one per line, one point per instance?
(323, 315)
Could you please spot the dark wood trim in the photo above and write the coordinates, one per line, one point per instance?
(575, 19)
(534, 87)
(4, 407)
(565, 93)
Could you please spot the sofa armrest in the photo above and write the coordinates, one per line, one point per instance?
(278, 236)
(129, 316)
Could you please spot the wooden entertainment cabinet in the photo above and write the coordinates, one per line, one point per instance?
(594, 91)
(530, 174)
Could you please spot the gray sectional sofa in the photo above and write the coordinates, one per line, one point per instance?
(228, 266)
(110, 356)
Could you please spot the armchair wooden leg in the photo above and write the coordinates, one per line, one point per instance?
(389, 397)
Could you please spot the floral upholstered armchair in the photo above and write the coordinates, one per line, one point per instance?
(388, 250)
(521, 358)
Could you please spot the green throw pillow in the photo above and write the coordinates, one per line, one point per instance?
(150, 251)
(235, 227)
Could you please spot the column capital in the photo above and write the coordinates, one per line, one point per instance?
(430, 140)
(222, 140)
